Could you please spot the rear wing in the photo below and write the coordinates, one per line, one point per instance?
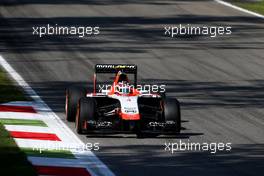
(115, 68)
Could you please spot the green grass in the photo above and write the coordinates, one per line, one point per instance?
(9, 92)
(252, 6)
(12, 160)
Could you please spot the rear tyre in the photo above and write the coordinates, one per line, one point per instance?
(172, 113)
(73, 95)
(85, 112)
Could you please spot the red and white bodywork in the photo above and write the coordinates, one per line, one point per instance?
(129, 102)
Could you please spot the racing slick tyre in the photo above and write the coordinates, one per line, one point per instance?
(85, 112)
(73, 95)
(172, 114)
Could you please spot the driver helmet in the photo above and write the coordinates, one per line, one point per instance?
(122, 77)
(123, 88)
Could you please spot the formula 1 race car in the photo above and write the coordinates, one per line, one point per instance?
(121, 106)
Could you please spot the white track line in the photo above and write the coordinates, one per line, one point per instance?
(25, 128)
(239, 8)
(39, 161)
(22, 116)
(97, 168)
(20, 103)
(50, 145)
(35, 144)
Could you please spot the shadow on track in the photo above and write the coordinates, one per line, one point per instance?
(17, 34)
(205, 94)
(91, 2)
(244, 159)
(181, 135)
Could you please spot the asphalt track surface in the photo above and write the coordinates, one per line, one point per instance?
(219, 81)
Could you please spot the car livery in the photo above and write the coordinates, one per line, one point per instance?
(121, 107)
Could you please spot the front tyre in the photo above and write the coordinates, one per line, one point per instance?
(172, 115)
(73, 95)
(85, 112)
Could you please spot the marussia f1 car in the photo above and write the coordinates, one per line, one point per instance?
(121, 107)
